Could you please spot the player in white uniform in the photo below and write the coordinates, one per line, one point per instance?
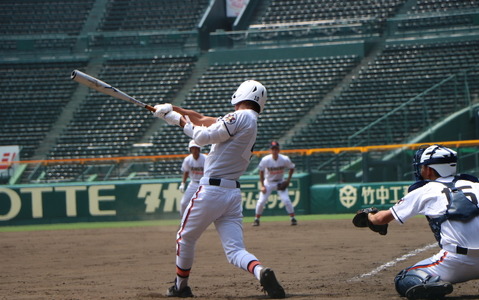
(271, 177)
(192, 168)
(450, 203)
(218, 198)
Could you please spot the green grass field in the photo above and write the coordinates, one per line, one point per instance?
(89, 225)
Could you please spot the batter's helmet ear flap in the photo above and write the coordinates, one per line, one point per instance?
(250, 90)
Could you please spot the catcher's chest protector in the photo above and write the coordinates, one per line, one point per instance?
(460, 208)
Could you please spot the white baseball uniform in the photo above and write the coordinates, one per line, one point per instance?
(431, 200)
(195, 169)
(273, 174)
(218, 198)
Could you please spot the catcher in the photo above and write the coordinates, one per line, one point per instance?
(449, 202)
(271, 177)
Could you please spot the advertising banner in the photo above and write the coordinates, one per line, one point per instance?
(234, 7)
(7, 155)
(348, 198)
(123, 201)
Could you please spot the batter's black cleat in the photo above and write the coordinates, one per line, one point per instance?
(294, 222)
(270, 284)
(432, 290)
(256, 222)
(183, 293)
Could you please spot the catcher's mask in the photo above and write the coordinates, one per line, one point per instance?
(440, 158)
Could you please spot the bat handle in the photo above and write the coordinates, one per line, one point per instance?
(150, 108)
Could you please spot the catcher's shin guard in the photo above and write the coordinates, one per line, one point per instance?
(417, 284)
(433, 290)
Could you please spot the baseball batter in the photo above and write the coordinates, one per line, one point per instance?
(218, 197)
(450, 203)
(271, 176)
(192, 168)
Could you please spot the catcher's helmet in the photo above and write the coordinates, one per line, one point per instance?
(250, 90)
(440, 158)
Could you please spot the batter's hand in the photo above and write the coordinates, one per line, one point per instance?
(263, 189)
(162, 109)
(172, 118)
(188, 129)
(361, 220)
(182, 187)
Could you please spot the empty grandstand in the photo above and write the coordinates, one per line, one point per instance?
(338, 73)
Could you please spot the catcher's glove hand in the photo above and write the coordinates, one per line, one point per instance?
(361, 220)
(283, 185)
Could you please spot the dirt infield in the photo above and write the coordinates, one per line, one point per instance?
(314, 260)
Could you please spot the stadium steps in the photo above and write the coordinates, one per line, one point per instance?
(67, 114)
(372, 55)
(158, 126)
(94, 66)
(261, 9)
(91, 24)
(328, 99)
(200, 67)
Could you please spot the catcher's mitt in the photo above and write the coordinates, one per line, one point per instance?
(361, 220)
(283, 185)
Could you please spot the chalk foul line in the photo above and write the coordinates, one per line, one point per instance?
(393, 262)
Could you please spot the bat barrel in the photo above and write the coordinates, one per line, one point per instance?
(105, 88)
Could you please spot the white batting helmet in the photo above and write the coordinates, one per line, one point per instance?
(250, 90)
(193, 144)
(440, 158)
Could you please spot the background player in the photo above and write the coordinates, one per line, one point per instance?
(192, 168)
(218, 198)
(449, 202)
(271, 176)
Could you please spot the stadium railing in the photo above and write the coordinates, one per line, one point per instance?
(294, 33)
(369, 169)
(456, 87)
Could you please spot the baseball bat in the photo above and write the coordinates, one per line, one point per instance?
(107, 89)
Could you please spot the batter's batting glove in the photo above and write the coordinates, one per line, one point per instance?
(172, 118)
(189, 127)
(361, 220)
(162, 109)
(182, 187)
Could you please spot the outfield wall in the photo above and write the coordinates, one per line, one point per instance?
(160, 199)
(348, 198)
